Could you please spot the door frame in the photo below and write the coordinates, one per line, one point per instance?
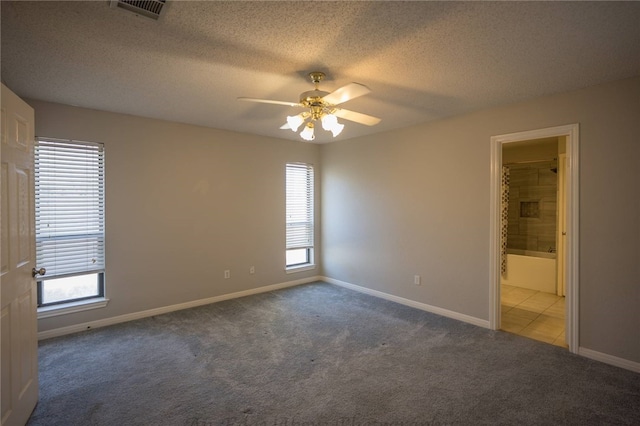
(571, 132)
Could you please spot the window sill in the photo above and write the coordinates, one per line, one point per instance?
(300, 268)
(73, 307)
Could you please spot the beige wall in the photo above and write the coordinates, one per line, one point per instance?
(184, 200)
(416, 201)
(183, 203)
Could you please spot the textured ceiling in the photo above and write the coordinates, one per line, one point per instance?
(422, 60)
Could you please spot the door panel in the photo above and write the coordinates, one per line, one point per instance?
(4, 215)
(22, 217)
(19, 350)
(5, 322)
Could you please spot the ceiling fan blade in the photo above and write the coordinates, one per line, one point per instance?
(346, 93)
(269, 101)
(358, 117)
(285, 126)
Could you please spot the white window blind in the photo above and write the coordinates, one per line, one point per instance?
(299, 191)
(69, 179)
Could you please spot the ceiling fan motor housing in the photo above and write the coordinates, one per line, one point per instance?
(312, 99)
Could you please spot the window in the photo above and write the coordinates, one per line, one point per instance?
(69, 180)
(299, 215)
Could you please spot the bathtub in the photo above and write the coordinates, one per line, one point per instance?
(534, 270)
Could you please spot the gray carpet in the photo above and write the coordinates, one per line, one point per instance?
(321, 354)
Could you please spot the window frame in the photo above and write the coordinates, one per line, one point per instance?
(304, 175)
(99, 295)
(91, 230)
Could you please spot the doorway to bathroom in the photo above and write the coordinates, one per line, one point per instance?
(532, 302)
(534, 190)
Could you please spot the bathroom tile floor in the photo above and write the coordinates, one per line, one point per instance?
(533, 314)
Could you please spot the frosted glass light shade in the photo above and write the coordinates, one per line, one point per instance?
(307, 132)
(329, 121)
(294, 121)
(337, 129)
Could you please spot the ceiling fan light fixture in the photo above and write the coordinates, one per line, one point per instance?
(337, 129)
(307, 132)
(330, 123)
(322, 106)
(294, 121)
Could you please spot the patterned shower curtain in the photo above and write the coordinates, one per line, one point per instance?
(505, 219)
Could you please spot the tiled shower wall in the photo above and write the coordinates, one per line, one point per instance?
(532, 206)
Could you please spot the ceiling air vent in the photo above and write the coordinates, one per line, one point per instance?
(149, 8)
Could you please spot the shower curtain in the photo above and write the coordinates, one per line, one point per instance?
(504, 219)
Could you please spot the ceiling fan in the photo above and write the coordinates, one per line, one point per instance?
(323, 106)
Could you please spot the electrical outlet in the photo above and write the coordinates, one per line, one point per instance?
(227, 273)
(416, 279)
(252, 270)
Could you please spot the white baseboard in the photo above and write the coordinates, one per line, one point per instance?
(587, 353)
(408, 302)
(166, 309)
(609, 359)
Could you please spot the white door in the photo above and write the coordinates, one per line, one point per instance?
(19, 355)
